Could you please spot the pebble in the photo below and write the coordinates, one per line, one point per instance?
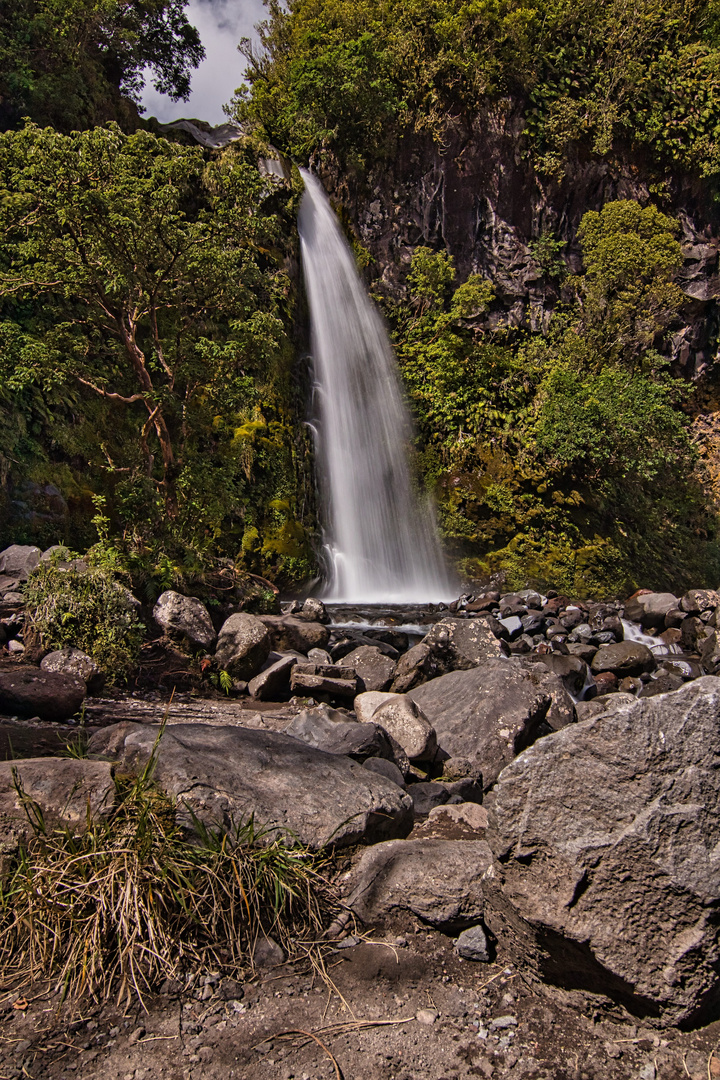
(501, 1022)
(136, 1036)
(15, 646)
(426, 1016)
(648, 1072)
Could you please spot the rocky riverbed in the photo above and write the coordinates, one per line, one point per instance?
(519, 792)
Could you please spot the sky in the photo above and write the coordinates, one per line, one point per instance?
(221, 23)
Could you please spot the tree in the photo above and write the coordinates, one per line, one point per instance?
(77, 63)
(137, 273)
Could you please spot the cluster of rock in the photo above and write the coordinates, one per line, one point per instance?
(592, 860)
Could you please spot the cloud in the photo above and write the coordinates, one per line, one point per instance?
(221, 23)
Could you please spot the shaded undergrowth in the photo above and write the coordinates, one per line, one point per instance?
(134, 899)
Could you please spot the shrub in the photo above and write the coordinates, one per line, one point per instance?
(87, 608)
(134, 900)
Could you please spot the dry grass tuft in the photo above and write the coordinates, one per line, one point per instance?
(134, 899)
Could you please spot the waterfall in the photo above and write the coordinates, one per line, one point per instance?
(381, 541)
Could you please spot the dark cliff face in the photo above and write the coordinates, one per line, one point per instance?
(480, 198)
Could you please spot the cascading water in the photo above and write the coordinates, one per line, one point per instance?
(381, 540)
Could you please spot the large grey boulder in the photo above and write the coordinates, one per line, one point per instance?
(464, 643)
(572, 670)
(373, 668)
(488, 714)
(624, 658)
(224, 774)
(416, 666)
(405, 721)
(650, 609)
(273, 682)
(330, 730)
(243, 645)
(19, 560)
(606, 836)
(289, 633)
(366, 703)
(66, 790)
(185, 617)
(438, 881)
(77, 664)
(29, 691)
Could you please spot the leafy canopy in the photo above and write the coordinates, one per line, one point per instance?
(143, 282)
(76, 63)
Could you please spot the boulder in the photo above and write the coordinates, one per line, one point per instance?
(226, 774)
(288, 633)
(650, 608)
(243, 645)
(438, 881)
(416, 666)
(29, 691)
(319, 656)
(77, 664)
(66, 790)
(604, 706)
(185, 617)
(273, 683)
(605, 835)
(331, 680)
(329, 730)
(426, 796)
(624, 658)
(401, 718)
(464, 643)
(314, 611)
(488, 714)
(695, 601)
(374, 670)
(19, 560)
(385, 768)
(571, 670)
(366, 703)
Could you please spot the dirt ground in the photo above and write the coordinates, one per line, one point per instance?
(404, 1007)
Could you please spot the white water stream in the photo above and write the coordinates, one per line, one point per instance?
(381, 541)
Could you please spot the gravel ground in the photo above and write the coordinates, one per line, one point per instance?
(410, 1009)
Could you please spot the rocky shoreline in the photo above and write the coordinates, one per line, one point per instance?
(533, 775)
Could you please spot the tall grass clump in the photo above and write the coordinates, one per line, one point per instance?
(134, 899)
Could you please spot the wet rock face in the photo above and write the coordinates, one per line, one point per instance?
(479, 200)
(605, 835)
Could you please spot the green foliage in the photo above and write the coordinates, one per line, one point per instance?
(87, 608)
(565, 458)
(81, 908)
(431, 276)
(143, 335)
(82, 62)
(357, 76)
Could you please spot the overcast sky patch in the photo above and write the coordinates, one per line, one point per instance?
(221, 23)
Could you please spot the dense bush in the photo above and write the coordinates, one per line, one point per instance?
(144, 315)
(354, 76)
(564, 457)
(88, 608)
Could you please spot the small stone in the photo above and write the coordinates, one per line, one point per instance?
(500, 1023)
(648, 1072)
(427, 1016)
(472, 944)
(136, 1036)
(205, 1053)
(15, 647)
